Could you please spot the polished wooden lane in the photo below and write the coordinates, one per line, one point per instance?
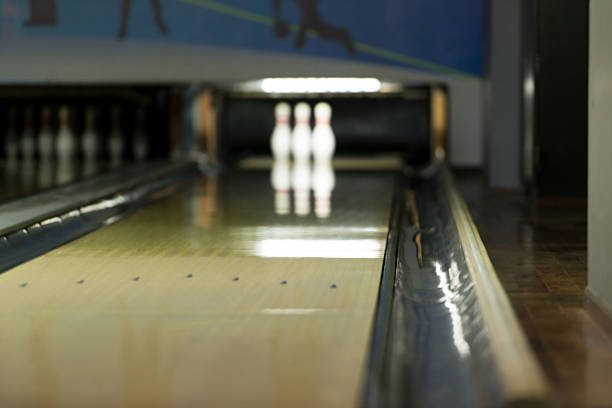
(205, 299)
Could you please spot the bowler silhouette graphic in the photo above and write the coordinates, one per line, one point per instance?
(311, 20)
(44, 12)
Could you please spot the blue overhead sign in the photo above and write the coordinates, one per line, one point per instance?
(441, 36)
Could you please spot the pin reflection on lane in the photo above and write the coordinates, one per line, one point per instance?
(302, 178)
(28, 174)
(66, 171)
(281, 182)
(321, 179)
(45, 173)
(323, 182)
(301, 187)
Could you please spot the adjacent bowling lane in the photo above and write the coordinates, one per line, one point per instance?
(207, 298)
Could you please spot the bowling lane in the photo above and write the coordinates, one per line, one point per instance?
(206, 298)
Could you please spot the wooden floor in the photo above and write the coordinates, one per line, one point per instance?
(207, 298)
(539, 253)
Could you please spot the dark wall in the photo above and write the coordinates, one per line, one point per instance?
(561, 101)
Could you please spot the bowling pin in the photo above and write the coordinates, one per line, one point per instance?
(281, 182)
(89, 140)
(323, 139)
(300, 137)
(140, 146)
(300, 181)
(11, 147)
(115, 141)
(65, 143)
(280, 142)
(27, 136)
(323, 182)
(45, 136)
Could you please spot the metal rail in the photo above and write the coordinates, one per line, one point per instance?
(36, 224)
(444, 332)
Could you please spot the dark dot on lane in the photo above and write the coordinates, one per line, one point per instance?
(333, 286)
(235, 279)
(23, 285)
(81, 282)
(283, 282)
(190, 276)
(136, 278)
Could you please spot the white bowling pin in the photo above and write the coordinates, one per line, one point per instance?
(323, 182)
(89, 141)
(65, 143)
(281, 182)
(45, 136)
(140, 146)
(28, 144)
(115, 141)
(300, 137)
(11, 147)
(280, 142)
(323, 139)
(300, 181)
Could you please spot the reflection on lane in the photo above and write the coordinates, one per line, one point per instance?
(281, 182)
(323, 182)
(245, 224)
(319, 248)
(302, 177)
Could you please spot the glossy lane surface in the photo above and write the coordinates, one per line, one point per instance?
(206, 298)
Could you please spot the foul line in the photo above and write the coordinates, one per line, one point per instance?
(365, 48)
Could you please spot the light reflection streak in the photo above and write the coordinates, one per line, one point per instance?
(290, 311)
(314, 231)
(458, 336)
(319, 248)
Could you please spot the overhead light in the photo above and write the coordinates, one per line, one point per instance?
(320, 85)
(317, 85)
